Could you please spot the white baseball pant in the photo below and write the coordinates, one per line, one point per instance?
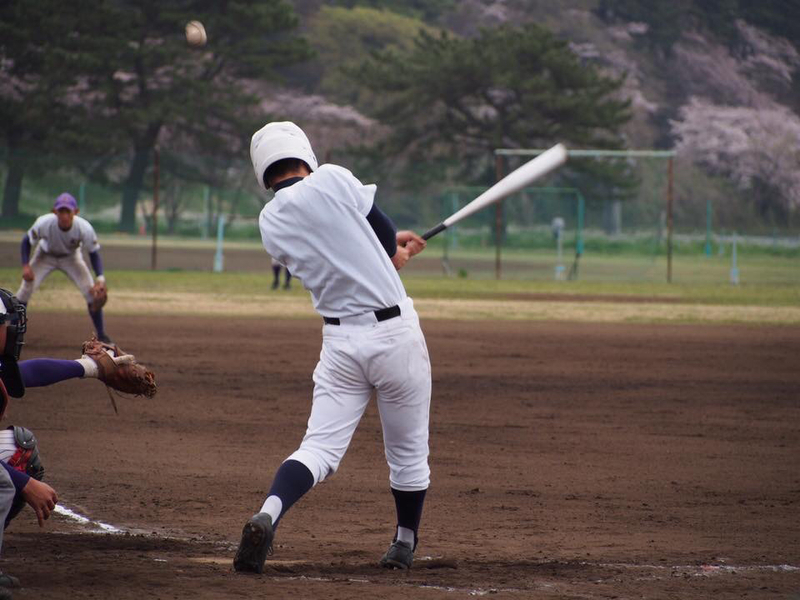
(43, 264)
(359, 355)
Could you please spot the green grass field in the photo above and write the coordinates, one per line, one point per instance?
(706, 296)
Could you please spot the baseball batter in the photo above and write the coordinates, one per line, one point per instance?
(58, 238)
(324, 226)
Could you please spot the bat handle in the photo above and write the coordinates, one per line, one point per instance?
(432, 232)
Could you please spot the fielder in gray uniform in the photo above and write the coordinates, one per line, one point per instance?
(58, 238)
(324, 226)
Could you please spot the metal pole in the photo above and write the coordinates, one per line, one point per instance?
(498, 219)
(669, 220)
(708, 227)
(206, 212)
(82, 198)
(734, 264)
(219, 257)
(154, 252)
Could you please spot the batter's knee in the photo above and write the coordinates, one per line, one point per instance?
(412, 478)
(321, 463)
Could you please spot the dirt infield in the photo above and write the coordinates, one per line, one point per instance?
(569, 461)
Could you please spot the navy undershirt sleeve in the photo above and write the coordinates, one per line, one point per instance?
(384, 228)
(97, 263)
(18, 478)
(25, 250)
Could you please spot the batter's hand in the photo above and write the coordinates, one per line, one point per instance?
(400, 257)
(41, 497)
(27, 273)
(411, 241)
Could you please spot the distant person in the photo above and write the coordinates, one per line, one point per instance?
(276, 272)
(58, 237)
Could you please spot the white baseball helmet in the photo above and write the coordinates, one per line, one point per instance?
(276, 141)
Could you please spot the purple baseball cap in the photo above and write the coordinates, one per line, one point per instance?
(66, 200)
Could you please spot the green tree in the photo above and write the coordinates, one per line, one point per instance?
(342, 38)
(148, 82)
(38, 70)
(451, 98)
(427, 10)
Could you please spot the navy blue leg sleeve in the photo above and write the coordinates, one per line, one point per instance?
(409, 508)
(97, 319)
(291, 482)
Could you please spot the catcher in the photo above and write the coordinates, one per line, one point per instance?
(21, 468)
(58, 237)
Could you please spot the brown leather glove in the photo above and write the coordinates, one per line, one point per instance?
(120, 371)
(99, 296)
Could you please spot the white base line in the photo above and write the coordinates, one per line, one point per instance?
(94, 526)
(99, 527)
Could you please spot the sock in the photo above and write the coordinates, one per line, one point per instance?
(409, 512)
(90, 368)
(292, 481)
(273, 506)
(39, 372)
(404, 534)
(97, 319)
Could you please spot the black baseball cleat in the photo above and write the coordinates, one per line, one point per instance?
(400, 555)
(105, 339)
(256, 544)
(6, 583)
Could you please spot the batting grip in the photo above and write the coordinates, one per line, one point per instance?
(432, 232)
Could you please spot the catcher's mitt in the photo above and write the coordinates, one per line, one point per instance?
(99, 293)
(119, 370)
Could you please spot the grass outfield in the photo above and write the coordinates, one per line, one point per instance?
(248, 295)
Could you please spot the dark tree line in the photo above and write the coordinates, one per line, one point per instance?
(111, 77)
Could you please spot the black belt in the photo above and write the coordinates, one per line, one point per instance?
(383, 314)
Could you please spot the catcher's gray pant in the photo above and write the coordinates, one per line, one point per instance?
(43, 264)
(358, 356)
(7, 492)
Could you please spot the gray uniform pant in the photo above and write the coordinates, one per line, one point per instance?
(7, 492)
(43, 264)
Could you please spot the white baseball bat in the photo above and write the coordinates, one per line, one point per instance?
(513, 182)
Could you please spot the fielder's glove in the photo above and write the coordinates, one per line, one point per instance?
(99, 293)
(120, 371)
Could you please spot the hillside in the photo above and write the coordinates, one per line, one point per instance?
(729, 107)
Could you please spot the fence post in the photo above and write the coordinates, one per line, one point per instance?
(82, 198)
(498, 219)
(669, 220)
(218, 257)
(154, 250)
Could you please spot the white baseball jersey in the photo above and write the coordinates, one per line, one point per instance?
(52, 240)
(318, 229)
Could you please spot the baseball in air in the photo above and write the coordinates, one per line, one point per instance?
(196, 33)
